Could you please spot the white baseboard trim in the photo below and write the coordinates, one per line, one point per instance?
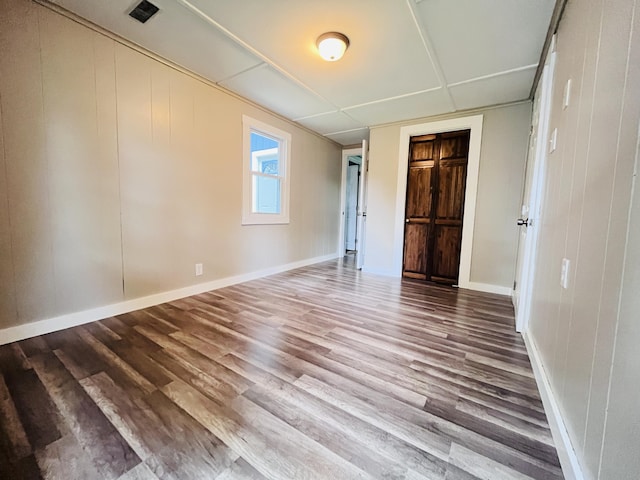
(487, 288)
(41, 327)
(568, 459)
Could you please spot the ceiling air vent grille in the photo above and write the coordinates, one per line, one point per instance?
(143, 11)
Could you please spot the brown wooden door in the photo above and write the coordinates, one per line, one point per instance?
(435, 206)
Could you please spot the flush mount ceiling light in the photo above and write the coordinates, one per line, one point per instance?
(332, 45)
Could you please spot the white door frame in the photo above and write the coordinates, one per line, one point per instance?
(473, 123)
(343, 196)
(530, 250)
(361, 229)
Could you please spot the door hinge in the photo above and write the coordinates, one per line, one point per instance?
(515, 284)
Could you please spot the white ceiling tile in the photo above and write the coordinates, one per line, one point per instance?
(173, 33)
(414, 106)
(258, 47)
(493, 91)
(354, 137)
(474, 38)
(385, 58)
(331, 122)
(269, 88)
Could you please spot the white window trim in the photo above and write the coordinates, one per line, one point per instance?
(248, 216)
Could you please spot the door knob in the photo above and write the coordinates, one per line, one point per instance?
(524, 222)
(406, 221)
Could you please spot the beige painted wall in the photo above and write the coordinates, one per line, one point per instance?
(119, 173)
(505, 134)
(588, 335)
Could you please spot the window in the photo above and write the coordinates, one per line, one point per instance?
(266, 159)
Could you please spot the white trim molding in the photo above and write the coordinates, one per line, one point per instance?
(41, 327)
(488, 288)
(568, 459)
(473, 123)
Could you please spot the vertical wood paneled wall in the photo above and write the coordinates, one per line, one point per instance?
(119, 173)
(588, 334)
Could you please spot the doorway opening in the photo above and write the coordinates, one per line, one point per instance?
(434, 209)
(354, 168)
(353, 203)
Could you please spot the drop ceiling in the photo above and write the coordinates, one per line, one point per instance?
(407, 58)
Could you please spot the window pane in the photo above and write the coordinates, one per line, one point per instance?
(269, 166)
(265, 154)
(265, 168)
(266, 194)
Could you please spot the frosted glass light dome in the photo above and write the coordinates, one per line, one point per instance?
(332, 45)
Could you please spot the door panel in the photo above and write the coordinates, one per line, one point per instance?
(446, 258)
(423, 150)
(436, 183)
(454, 145)
(451, 185)
(415, 260)
(419, 198)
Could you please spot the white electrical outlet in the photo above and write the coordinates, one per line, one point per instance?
(553, 140)
(199, 269)
(566, 98)
(564, 273)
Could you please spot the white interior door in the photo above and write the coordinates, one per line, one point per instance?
(351, 210)
(362, 206)
(526, 201)
(532, 197)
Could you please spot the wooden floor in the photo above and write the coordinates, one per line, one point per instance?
(318, 373)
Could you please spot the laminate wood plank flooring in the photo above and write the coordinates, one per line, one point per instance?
(323, 372)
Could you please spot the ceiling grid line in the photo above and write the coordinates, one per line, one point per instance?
(494, 75)
(396, 97)
(428, 46)
(346, 131)
(316, 115)
(241, 72)
(195, 10)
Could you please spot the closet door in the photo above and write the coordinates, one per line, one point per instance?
(435, 206)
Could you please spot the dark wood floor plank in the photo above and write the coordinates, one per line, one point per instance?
(13, 439)
(34, 346)
(102, 333)
(192, 451)
(139, 360)
(25, 468)
(139, 472)
(321, 372)
(108, 450)
(76, 355)
(38, 415)
(119, 368)
(66, 458)
(481, 466)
